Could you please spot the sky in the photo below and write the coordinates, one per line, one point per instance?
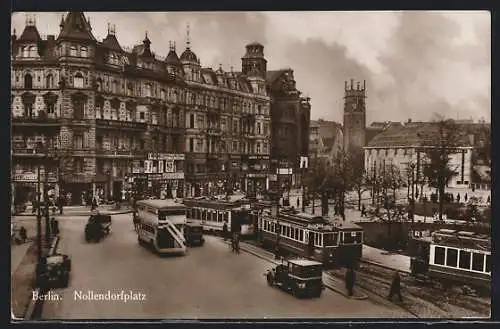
(416, 64)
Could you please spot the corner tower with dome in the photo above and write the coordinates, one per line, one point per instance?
(110, 117)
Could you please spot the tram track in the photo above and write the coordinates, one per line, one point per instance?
(450, 301)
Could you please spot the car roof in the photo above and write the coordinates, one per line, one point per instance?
(304, 262)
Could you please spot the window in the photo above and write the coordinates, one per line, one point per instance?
(114, 87)
(49, 81)
(72, 51)
(235, 146)
(439, 254)
(51, 108)
(478, 262)
(78, 80)
(32, 51)
(258, 128)
(79, 165)
(464, 260)
(488, 263)
(142, 115)
(258, 147)
(452, 257)
(265, 147)
(235, 126)
(148, 90)
(199, 122)
(83, 52)
(78, 110)
(199, 145)
(78, 141)
(191, 121)
(28, 81)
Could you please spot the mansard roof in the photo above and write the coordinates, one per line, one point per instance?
(112, 43)
(76, 26)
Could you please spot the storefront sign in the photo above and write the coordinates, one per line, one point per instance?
(154, 176)
(174, 175)
(33, 177)
(168, 156)
(120, 124)
(141, 176)
(285, 171)
(258, 157)
(253, 175)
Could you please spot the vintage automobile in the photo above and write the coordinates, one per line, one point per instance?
(193, 233)
(55, 270)
(97, 227)
(301, 277)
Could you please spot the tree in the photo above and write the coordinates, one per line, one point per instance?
(357, 176)
(439, 143)
(385, 183)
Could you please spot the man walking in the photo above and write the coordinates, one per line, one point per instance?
(349, 281)
(224, 230)
(396, 287)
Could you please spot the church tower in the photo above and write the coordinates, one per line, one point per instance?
(354, 117)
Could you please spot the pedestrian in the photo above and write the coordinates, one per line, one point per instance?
(458, 197)
(237, 243)
(465, 198)
(349, 281)
(363, 210)
(22, 234)
(342, 212)
(298, 202)
(33, 206)
(224, 230)
(336, 210)
(488, 200)
(395, 287)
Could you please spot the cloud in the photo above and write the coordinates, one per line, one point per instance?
(415, 63)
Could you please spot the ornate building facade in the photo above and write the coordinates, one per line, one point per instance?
(290, 118)
(107, 117)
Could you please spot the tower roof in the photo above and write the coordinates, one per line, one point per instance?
(189, 56)
(112, 43)
(75, 26)
(30, 34)
(172, 58)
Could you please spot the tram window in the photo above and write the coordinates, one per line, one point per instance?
(439, 253)
(330, 239)
(464, 260)
(226, 216)
(451, 257)
(477, 262)
(221, 219)
(301, 235)
(488, 264)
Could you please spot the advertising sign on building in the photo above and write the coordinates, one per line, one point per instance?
(174, 175)
(169, 166)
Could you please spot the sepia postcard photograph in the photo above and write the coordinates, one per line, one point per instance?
(250, 165)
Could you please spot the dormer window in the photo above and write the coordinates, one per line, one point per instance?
(72, 51)
(78, 80)
(25, 51)
(32, 51)
(83, 52)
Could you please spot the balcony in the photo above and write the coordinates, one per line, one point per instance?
(39, 120)
(119, 125)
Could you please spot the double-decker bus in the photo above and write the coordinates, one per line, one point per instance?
(311, 236)
(161, 225)
(211, 214)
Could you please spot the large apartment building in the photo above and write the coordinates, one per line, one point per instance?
(97, 117)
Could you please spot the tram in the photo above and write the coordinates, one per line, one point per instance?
(453, 258)
(212, 213)
(332, 243)
(161, 225)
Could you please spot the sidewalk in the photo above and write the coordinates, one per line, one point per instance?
(81, 211)
(17, 253)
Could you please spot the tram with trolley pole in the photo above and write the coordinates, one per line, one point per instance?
(211, 213)
(332, 243)
(453, 258)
